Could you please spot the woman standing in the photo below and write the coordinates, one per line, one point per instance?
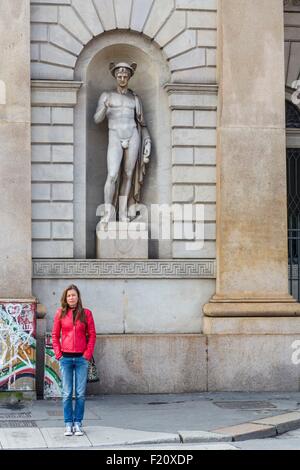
(73, 338)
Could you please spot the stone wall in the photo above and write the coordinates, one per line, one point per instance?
(52, 168)
(185, 33)
(184, 29)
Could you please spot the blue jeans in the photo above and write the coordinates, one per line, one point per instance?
(70, 367)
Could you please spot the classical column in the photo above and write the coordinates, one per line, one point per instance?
(15, 172)
(252, 264)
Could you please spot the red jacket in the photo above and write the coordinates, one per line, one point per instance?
(75, 338)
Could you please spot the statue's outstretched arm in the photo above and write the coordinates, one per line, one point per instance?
(101, 108)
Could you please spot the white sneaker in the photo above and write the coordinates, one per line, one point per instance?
(68, 431)
(77, 430)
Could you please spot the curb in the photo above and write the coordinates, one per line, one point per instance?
(262, 428)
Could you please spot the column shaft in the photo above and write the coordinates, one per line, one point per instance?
(15, 171)
(252, 264)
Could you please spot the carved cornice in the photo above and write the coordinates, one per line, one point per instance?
(56, 84)
(191, 88)
(13, 300)
(292, 3)
(137, 269)
(54, 92)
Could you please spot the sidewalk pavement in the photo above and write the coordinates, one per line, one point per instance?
(121, 420)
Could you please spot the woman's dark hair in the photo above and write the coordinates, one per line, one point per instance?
(80, 314)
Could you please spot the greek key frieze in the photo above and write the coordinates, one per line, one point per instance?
(98, 269)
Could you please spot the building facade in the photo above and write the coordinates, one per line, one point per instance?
(216, 78)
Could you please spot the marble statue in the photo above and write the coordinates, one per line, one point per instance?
(129, 144)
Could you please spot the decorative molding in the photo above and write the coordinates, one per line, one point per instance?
(56, 84)
(54, 92)
(66, 30)
(108, 269)
(28, 300)
(292, 3)
(191, 88)
(187, 96)
(293, 138)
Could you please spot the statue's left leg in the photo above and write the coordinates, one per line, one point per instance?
(130, 157)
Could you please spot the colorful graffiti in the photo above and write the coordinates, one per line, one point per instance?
(17, 346)
(52, 379)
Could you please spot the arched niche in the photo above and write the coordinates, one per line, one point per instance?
(91, 139)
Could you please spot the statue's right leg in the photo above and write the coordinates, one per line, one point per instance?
(114, 158)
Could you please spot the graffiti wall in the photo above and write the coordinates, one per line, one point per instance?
(52, 380)
(17, 346)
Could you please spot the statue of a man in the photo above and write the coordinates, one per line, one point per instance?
(129, 143)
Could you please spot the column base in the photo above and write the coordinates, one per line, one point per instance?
(285, 306)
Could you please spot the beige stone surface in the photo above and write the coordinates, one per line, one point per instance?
(140, 306)
(151, 363)
(244, 431)
(15, 237)
(253, 362)
(283, 423)
(251, 168)
(119, 240)
(252, 219)
(70, 26)
(283, 418)
(261, 308)
(251, 325)
(252, 63)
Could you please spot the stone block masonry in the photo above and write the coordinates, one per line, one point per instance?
(185, 31)
(52, 173)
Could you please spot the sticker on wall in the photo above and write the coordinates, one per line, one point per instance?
(52, 378)
(17, 346)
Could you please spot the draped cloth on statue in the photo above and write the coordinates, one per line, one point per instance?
(140, 166)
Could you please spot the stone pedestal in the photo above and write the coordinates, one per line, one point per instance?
(253, 353)
(117, 240)
(252, 262)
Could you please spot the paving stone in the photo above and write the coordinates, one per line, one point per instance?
(99, 435)
(203, 436)
(241, 432)
(54, 438)
(21, 438)
(285, 422)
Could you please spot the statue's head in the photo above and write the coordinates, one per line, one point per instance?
(122, 72)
